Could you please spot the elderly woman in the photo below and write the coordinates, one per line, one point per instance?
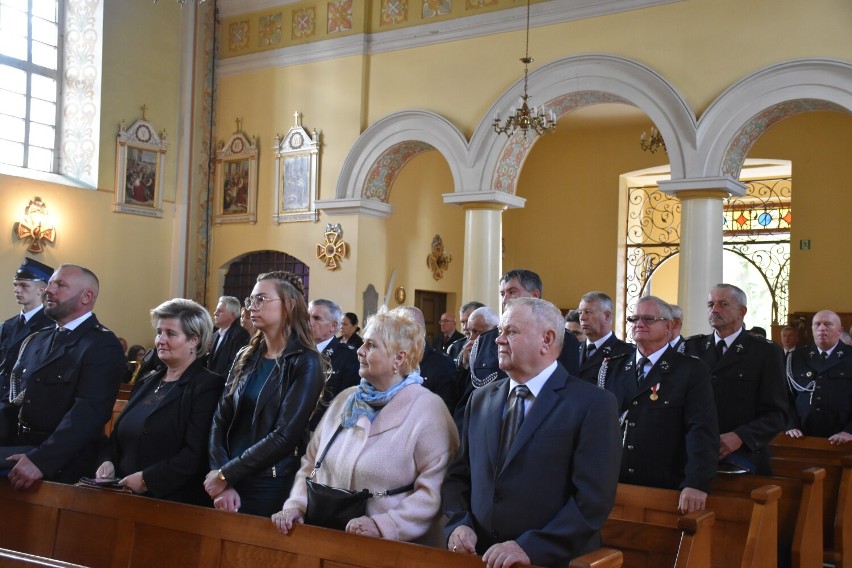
(158, 445)
(394, 432)
(349, 330)
(260, 429)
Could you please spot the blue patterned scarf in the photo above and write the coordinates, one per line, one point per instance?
(367, 401)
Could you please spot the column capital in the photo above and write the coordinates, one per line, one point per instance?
(703, 188)
(495, 200)
(356, 206)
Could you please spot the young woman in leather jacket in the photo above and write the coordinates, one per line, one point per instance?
(260, 429)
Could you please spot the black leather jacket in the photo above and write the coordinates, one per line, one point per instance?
(280, 423)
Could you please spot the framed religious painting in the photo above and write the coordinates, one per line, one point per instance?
(236, 180)
(139, 168)
(296, 170)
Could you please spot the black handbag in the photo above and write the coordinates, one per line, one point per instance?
(333, 507)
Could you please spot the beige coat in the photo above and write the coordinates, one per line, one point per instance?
(412, 439)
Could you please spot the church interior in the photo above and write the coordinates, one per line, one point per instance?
(361, 131)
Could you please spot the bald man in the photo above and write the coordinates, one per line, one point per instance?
(64, 385)
(820, 377)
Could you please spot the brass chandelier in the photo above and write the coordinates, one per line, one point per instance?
(537, 120)
(654, 143)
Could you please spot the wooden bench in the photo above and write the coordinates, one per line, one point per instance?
(799, 510)
(117, 407)
(648, 545)
(745, 531)
(124, 391)
(791, 455)
(99, 529)
(14, 559)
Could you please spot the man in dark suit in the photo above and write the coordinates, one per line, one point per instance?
(29, 283)
(596, 322)
(325, 322)
(482, 320)
(821, 379)
(436, 368)
(536, 486)
(789, 340)
(671, 433)
(448, 333)
(458, 345)
(518, 283)
(229, 336)
(748, 382)
(64, 384)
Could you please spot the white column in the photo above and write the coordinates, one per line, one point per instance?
(700, 243)
(483, 221)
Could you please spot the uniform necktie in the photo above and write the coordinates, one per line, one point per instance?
(59, 335)
(590, 350)
(22, 321)
(512, 422)
(640, 370)
(720, 348)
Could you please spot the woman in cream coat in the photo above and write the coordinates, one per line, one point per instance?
(395, 432)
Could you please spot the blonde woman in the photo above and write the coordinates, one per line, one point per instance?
(393, 432)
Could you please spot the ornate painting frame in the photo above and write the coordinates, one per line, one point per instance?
(296, 174)
(236, 180)
(139, 168)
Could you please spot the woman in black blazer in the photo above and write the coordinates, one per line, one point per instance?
(158, 445)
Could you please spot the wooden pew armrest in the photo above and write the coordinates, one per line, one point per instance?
(600, 558)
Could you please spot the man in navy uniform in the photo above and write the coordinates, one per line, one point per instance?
(29, 283)
(326, 317)
(596, 322)
(667, 412)
(748, 382)
(64, 384)
(820, 377)
(484, 368)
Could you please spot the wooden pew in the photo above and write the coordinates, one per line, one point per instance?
(791, 455)
(14, 559)
(799, 509)
(124, 391)
(117, 407)
(99, 529)
(647, 545)
(745, 531)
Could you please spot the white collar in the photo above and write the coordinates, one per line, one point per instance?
(536, 383)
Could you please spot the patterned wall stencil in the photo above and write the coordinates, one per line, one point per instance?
(476, 4)
(238, 35)
(394, 11)
(432, 8)
(304, 23)
(339, 16)
(384, 171)
(269, 31)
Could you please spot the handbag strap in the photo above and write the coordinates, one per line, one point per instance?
(386, 493)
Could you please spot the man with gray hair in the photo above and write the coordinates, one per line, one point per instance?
(326, 317)
(482, 320)
(537, 470)
(229, 336)
(596, 322)
(748, 383)
(667, 412)
(677, 341)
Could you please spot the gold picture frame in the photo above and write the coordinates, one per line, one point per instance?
(236, 179)
(139, 168)
(296, 171)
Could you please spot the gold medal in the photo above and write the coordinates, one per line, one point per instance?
(654, 396)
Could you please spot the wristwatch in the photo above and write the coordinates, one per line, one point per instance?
(221, 476)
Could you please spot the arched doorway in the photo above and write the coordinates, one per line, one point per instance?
(243, 271)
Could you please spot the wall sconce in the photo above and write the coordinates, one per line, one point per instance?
(35, 226)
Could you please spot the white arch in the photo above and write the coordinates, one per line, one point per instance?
(622, 78)
(749, 107)
(428, 128)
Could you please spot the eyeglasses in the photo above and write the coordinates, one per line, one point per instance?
(647, 320)
(446, 321)
(257, 301)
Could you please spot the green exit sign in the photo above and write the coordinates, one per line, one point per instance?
(805, 244)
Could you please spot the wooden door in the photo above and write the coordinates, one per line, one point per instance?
(432, 304)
